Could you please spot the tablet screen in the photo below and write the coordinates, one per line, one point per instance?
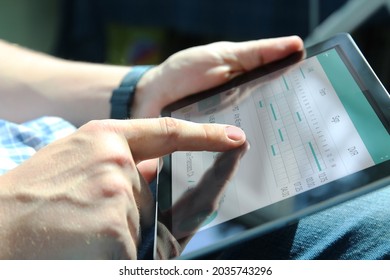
(307, 125)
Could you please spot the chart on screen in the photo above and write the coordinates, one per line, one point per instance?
(300, 136)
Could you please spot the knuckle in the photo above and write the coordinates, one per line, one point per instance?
(120, 157)
(115, 186)
(121, 213)
(94, 125)
(106, 144)
(116, 228)
(171, 128)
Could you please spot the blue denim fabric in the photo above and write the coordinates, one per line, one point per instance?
(145, 250)
(356, 229)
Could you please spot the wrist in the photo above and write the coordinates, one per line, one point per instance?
(147, 102)
(122, 98)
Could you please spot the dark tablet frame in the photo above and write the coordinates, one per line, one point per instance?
(321, 197)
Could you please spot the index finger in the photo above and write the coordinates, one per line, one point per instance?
(151, 138)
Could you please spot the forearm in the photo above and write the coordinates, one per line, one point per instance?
(34, 84)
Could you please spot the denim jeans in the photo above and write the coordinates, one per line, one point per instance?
(356, 229)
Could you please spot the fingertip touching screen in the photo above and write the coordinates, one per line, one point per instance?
(317, 134)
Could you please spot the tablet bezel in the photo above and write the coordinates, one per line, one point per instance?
(345, 188)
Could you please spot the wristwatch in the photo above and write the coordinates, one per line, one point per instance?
(122, 97)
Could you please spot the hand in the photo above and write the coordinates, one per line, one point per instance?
(83, 197)
(200, 68)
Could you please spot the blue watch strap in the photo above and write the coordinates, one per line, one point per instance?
(122, 97)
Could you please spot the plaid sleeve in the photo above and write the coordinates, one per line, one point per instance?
(19, 142)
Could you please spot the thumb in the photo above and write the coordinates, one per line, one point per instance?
(148, 169)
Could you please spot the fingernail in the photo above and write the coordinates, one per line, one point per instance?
(234, 133)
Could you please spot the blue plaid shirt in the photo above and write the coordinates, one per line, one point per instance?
(19, 142)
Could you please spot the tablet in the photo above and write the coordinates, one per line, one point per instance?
(317, 127)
